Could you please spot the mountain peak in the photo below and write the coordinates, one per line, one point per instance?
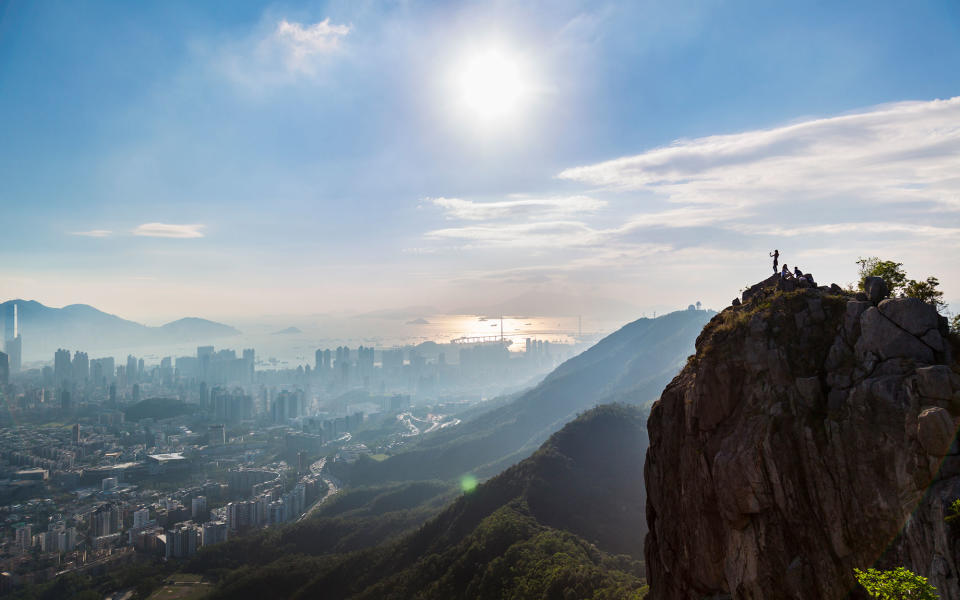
(808, 431)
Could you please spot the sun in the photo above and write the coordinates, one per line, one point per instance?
(492, 84)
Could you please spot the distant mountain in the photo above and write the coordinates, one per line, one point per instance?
(83, 327)
(193, 328)
(545, 304)
(565, 523)
(630, 366)
(288, 331)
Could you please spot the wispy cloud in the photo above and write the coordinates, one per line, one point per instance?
(868, 227)
(95, 233)
(168, 230)
(517, 206)
(904, 152)
(547, 234)
(304, 42)
(280, 52)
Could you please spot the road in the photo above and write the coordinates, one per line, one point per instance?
(332, 487)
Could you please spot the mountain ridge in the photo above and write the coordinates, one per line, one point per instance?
(632, 364)
(84, 327)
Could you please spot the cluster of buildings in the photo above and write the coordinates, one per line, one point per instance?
(161, 457)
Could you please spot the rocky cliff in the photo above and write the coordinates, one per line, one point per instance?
(812, 433)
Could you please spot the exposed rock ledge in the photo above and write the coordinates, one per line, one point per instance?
(812, 433)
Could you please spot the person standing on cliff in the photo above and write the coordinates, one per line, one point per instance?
(776, 258)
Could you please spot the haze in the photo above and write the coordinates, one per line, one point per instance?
(269, 159)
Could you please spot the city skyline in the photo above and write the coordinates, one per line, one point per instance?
(270, 159)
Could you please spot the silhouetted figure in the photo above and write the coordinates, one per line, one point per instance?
(785, 272)
(797, 272)
(776, 258)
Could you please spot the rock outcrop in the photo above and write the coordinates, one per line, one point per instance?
(811, 434)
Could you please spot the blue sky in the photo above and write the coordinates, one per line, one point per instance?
(223, 159)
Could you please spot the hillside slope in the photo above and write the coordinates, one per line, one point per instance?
(812, 434)
(631, 365)
(551, 526)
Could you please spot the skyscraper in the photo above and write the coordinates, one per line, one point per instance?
(131, 369)
(4, 369)
(62, 366)
(13, 345)
(81, 367)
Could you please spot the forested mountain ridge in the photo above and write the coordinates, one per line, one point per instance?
(568, 519)
(631, 365)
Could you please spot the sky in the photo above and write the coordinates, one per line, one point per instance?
(223, 160)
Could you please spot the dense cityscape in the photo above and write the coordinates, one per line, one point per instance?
(105, 461)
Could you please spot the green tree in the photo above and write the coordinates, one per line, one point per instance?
(926, 291)
(897, 584)
(954, 512)
(891, 272)
(955, 325)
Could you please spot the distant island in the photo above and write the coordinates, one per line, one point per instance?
(420, 321)
(287, 331)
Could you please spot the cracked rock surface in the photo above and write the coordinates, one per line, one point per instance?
(811, 434)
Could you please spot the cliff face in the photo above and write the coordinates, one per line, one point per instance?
(811, 434)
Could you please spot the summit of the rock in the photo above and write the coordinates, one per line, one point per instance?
(813, 432)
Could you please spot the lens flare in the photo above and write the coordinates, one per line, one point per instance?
(468, 483)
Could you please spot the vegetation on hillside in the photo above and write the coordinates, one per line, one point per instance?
(158, 408)
(892, 273)
(896, 584)
(568, 520)
(631, 365)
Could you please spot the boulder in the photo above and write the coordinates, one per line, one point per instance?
(934, 382)
(935, 431)
(915, 316)
(753, 290)
(879, 336)
(876, 289)
(787, 284)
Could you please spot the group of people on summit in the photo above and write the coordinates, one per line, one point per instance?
(785, 273)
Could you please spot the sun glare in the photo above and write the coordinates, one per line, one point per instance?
(492, 84)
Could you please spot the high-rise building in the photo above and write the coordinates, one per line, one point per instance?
(198, 509)
(76, 433)
(13, 343)
(131, 369)
(214, 532)
(183, 540)
(106, 520)
(62, 366)
(4, 368)
(249, 363)
(24, 537)
(102, 371)
(81, 367)
(141, 518)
